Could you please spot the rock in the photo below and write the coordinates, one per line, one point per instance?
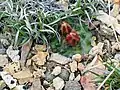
(117, 56)
(77, 57)
(8, 79)
(58, 83)
(77, 78)
(64, 74)
(72, 85)
(49, 76)
(3, 60)
(56, 70)
(36, 85)
(72, 76)
(46, 83)
(50, 88)
(59, 59)
(13, 54)
(81, 67)
(51, 65)
(73, 66)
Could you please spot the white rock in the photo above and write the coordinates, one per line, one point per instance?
(73, 66)
(58, 83)
(71, 77)
(59, 59)
(13, 54)
(50, 88)
(77, 78)
(56, 70)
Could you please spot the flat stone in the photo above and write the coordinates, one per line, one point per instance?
(58, 58)
(72, 76)
(58, 83)
(56, 70)
(64, 74)
(48, 76)
(72, 85)
(73, 66)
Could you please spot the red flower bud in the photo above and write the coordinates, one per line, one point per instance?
(65, 28)
(72, 38)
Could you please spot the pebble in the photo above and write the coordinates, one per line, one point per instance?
(72, 76)
(77, 57)
(72, 85)
(73, 66)
(80, 67)
(58, 58)
(77, 78)
(56, 70)
(58, 83)
(117, 56)
(64, 74)
(49, 76)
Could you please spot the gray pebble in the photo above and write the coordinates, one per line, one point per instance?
(64, 74)
(48, 76)
(72, 85)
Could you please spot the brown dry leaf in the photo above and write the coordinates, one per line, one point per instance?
(96, 66)
(12, 67)
(87, 83)
(24, 52)
(40, 58)
(23, 76)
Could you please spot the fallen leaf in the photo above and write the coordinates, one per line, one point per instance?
(40, 58)
(12, 67)
(24, 52)
(23, 76)
(87, 83)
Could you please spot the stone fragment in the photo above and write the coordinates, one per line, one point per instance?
(59, 59)
(56, 70)
(58, 83)
(73, 66)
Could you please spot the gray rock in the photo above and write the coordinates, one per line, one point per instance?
(64, 74)
(72, 85)
(48, 76)
(58, 58)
